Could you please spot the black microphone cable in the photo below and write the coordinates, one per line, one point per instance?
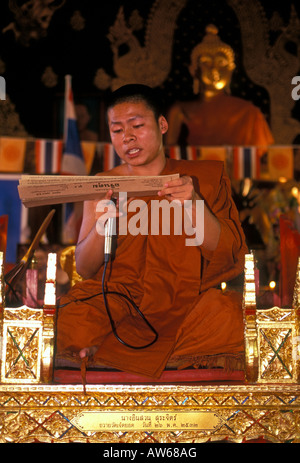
(107, 255)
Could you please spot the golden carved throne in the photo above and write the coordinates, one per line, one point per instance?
(271, 338)
(265, 405)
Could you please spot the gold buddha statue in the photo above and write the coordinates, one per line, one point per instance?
(215, 117)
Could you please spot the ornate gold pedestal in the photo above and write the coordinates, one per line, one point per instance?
(267, 406)
(149, 414)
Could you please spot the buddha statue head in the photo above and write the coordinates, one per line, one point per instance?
(212, 64)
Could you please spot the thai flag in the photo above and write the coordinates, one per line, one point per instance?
(246, 162)
(72, 164)
(73, 160)
(174, 152)
(192, 153)
(48, 155)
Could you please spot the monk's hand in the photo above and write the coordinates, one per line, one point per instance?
(180, 189)
(105, 208)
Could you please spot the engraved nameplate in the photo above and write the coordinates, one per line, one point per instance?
(146, 420)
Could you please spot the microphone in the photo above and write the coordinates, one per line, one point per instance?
(109, 229)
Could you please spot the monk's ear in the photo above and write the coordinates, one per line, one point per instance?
(163, 124)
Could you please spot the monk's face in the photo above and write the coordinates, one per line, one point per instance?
(136, 134)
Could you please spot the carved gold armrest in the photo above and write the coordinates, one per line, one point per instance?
(27, 340)
(27, 345)
(272, 352)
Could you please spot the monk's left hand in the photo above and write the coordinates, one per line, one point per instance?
(180, 189)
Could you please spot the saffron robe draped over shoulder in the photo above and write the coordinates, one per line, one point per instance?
(239, 122)
(173, 285)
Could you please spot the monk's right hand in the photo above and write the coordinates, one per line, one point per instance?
(105, 208)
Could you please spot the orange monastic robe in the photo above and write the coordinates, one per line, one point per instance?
(173, 285)
(224, 120)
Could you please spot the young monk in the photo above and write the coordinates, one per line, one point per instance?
(165, 308)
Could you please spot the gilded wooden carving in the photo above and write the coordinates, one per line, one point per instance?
(170, 413)
(271, 336)
(268, 406)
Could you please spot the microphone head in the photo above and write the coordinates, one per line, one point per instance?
(109, 231)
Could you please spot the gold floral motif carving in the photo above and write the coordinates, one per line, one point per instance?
(23, 313)
(276, 314)
(27, 345)
(21, 353)
(272, 342)
(48, 413)
(276, 351)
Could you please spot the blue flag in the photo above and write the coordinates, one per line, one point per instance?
(72, 164)
(72, 160)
